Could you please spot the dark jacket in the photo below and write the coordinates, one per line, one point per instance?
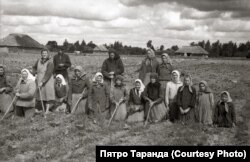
(99, 95)
(77, 85)
(114, 65)
(134, 98)
(153, 92)
(61, 59)
(222, 117)
(148, 68)
(164, 72)
(186, 97)
(5, 83)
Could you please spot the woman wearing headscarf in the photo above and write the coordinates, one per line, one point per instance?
(98, 98)
(154, 98)
(112, 67)
(149, 65)
(61, 90)
(164, 70)
(5, 91)
(224, 114)
(205, 104)
(186, 98)
(25, 93)
(79, 87)
(118, 98)
(45, 81)
(171, 95)
(136, 103)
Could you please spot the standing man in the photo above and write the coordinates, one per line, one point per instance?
(61, 64)
(112, 66)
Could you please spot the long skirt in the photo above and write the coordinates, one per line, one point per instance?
(174, 112)
(5, 101)
(121, 112)
(136, 116)
(81, 107)
(146, 79)
(158, 112)
(188, 118)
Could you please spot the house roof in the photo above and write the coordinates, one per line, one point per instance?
(20, 40)
(192, 50)
(101, 48)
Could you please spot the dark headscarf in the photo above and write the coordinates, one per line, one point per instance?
(117, 56)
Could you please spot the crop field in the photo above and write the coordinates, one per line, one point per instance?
(62, 137)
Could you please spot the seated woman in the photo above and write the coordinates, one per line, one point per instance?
(154, 100)
(119, 96)
(98, 98)
(61, 91)
(25, 93)
(135, 103)
(78, 89)
(5, 91)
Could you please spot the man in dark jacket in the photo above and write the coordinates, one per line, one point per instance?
(112, 66)
(61, 64)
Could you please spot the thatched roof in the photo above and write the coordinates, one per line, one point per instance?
(101, 48)
(20, 40)
(192, 50)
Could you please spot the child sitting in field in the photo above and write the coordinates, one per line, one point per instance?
(119, 96)
(205, 104)
(61, 91)
(135, 103)
(224, 114)
(186, 98)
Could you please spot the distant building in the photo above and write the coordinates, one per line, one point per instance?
(192, 51)
(20, 43)
(100, 50)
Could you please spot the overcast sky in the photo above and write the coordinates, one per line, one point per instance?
(133, 22)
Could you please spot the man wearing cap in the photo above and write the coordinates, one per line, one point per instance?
(61, 64)
(112, 66)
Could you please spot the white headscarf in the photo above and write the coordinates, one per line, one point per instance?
(30, 76)
(229, 99)
(62, 78)
(178, 74)
(169, 59)
(142, 86)
(96, 75)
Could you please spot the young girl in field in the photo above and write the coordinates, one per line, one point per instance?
(79, 87)
(186, 98)
(98, 98)
(154, 99)
(136, 103)
(5, 91)
(119, 96)
(25, 92)
(205, 104)
(171, 96)
(224, 114)
(61, 91)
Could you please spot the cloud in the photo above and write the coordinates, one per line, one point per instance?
(78, 9)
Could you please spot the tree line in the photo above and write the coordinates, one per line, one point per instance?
(215, 49)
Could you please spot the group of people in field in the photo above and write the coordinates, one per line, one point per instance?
(160, 93)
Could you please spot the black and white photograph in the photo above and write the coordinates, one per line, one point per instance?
(77, 76)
